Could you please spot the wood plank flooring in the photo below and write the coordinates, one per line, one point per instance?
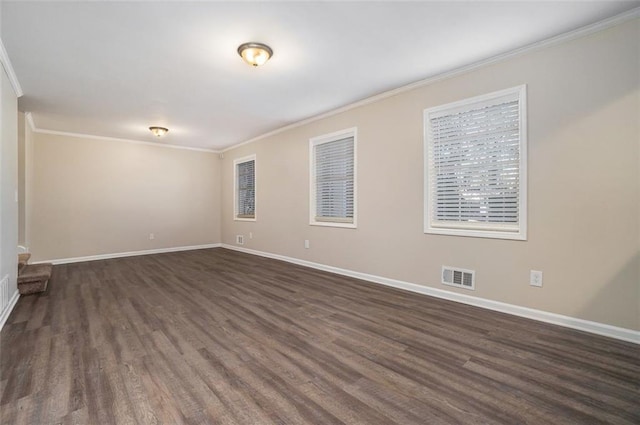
(220, 337)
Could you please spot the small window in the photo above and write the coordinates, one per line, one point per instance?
(333, 179)
(245, 188)
(475, 166)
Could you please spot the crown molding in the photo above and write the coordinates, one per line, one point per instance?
(6, 63)
(571, 35)
(29, 118)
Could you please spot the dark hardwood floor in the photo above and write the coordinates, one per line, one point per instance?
(220, 337)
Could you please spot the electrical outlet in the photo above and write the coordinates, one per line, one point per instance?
(250, 235)
(535, 278)
(152, 236)
(306, 243)
(240, 239)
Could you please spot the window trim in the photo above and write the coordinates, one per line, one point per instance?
(236, 162)
(326, 138)
(476, 230)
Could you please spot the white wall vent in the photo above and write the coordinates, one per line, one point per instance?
(4, 293)
(460, 278)
(240, 239)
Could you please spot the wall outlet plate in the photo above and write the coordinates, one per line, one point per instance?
(306, 243)
(535, 278)
(240, 239)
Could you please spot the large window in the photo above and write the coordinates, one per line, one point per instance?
(333, 179)
(475, 166)
(245, 188)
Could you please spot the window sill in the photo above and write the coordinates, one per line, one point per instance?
(473, 233)
(333, 224)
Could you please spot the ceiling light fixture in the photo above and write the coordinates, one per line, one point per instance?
(159, 131)
(255, 54)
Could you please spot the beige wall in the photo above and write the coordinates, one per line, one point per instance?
(584, 186)
(8, 183)
(94, 196)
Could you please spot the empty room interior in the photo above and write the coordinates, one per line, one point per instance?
(372, 212)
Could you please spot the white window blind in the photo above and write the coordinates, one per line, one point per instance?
(246, 189)
(475, 168)
(333, 179)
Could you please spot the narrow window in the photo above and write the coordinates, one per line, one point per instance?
(475, 166)
(245, 188)
(333, 179)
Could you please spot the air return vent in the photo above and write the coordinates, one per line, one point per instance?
(458, 277)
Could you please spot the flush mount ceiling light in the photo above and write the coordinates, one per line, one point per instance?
(255, 54)
(158, 131)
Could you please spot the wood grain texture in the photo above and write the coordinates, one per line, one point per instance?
(221, 337)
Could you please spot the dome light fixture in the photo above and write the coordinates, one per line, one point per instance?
(255, 54)
(158, 131)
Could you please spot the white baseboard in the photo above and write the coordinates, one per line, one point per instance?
(128, 254)
(623, 334)
(7, 311)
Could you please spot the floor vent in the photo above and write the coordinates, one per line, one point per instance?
(458, 277)
(4, 292)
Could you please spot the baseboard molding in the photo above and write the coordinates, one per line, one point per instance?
(529, 313)
(7, 311)
(128, 254)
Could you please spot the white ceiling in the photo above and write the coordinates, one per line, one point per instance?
(115, 68)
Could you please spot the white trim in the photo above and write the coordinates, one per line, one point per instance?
(610, 331)
(481, 230)
(128, 254)
(334, 224)
(326, 138)
(29, 118)
(255, 187)
(568, 36)
(111, 139)
(6, 63)
(7, 311)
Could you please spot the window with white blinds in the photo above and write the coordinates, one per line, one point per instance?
(333, 183)
(245, 188)
(475, 166)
